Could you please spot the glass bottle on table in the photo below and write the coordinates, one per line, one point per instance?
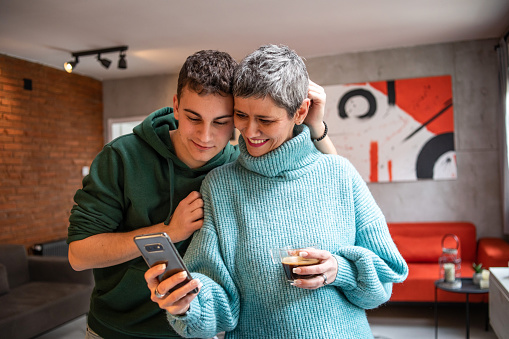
(450, 262)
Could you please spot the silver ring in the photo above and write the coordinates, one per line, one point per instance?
(324, 279)
(159, 295)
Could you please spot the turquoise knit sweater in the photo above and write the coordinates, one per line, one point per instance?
(289, 196)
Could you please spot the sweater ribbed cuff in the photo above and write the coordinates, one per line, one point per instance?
(347, 273)
(183, 323)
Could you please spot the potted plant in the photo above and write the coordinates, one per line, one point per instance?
(478, 273)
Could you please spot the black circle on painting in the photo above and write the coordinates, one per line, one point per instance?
(353, 93)
(431, 152)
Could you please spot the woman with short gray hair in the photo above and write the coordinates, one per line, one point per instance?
(283, 192)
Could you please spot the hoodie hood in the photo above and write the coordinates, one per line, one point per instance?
(149, 130)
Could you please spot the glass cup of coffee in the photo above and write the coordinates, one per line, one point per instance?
(290, 258)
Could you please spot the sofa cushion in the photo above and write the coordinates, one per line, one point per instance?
(420, 287)
(4, 284)
(14, 258)
(42, 305)
(419, 249)
(493, 252)
(465, 231)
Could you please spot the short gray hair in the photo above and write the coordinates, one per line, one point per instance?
(274, 71)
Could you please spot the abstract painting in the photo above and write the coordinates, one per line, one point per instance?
(395, 130)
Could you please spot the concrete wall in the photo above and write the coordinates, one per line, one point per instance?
(135, 97)
(474, 196)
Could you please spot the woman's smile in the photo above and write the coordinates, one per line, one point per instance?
(257, 142)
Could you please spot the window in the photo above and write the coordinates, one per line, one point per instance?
(121, 126)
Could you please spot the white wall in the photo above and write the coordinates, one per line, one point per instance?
(474, 196)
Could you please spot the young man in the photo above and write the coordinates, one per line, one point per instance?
(148, 182)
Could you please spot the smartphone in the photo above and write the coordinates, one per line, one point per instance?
(157, 248)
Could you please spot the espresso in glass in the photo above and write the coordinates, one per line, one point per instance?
(289, 263)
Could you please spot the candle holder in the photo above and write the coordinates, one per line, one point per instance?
(450, 263)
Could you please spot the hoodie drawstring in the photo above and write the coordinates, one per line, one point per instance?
(171, 171)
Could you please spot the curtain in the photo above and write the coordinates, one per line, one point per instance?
(504, 129)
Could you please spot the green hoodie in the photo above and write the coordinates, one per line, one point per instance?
(134, 182)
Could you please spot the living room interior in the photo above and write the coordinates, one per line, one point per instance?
(53, 123)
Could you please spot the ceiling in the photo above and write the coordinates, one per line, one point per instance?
(162, 33)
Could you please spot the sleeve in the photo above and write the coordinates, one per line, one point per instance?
(367, 270)
(217, 306)
(99, 204)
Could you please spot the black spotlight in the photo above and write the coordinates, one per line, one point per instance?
(69, 66)
(122, 62)
(105, 62)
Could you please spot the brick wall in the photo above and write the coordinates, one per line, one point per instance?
(47, 135)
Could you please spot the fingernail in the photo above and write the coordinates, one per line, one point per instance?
(296, 270)
(162, 267)
(296, 282)
(200, 284)
(182, 274)
(303, 254)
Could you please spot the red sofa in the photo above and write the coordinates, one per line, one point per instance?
(420, 245)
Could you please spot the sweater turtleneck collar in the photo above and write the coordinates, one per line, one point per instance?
(289, 161)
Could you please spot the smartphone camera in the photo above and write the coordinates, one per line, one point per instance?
(154, 248)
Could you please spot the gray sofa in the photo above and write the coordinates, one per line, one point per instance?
(39, 293)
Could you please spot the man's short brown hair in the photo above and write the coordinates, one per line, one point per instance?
(207, 72)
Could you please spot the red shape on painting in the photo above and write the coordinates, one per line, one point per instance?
(373, 161)
(423, 98)
(389, 169)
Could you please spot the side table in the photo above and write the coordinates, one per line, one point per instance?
(467, 287)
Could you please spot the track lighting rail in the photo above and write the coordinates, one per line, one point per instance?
(122, 63)
(100, 51)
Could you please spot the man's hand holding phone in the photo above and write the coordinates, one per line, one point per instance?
(179, 300)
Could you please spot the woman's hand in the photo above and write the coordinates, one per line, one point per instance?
(314, 119)
(328, 266)
(178, 302)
